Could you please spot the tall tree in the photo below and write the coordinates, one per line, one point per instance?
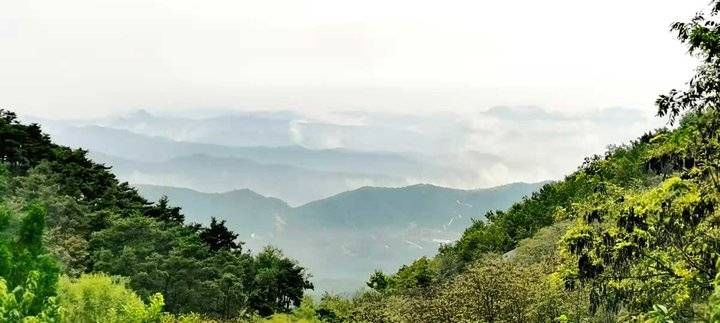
(164, 212)
(219, 237)
(280, 282)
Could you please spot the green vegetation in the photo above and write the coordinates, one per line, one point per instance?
(632, 235)
(28, 274)
(374, 226)
(76, 245)
(100, 298)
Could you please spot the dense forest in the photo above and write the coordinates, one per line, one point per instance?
(76, 245)
(632, 235)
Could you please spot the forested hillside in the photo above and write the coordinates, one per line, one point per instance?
(632, 235)
(252, 216)
(69, 230)
(342, 238)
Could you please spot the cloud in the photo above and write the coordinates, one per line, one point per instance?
(523, 113)
(536, 143)
(489, 147)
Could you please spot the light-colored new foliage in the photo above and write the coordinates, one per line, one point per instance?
(15, 304)
(101, 298)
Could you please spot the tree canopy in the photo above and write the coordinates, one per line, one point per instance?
(63, 214)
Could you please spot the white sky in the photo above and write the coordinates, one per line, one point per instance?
(81, 58)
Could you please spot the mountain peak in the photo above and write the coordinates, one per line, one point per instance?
(141, 114)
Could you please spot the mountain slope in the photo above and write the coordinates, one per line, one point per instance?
(251, 215)
(345, 237)
(421, 204)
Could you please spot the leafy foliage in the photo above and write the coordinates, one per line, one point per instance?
(219, 237)
(634, 233)
(278, 286)
(28, 274)
(100, 298)
(59, 211)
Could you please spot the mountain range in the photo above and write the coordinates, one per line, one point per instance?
(206, 173)
(295, 174)
(345, 237)
(341, 212)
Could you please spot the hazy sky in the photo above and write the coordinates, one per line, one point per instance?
(93, 57)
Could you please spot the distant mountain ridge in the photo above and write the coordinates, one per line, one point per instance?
(420, 201)
(414, 202)
(341, 212)
(292, 173)
(141, 147)
(344, 237)
(229, 129)
(295, 185)
(249, 214)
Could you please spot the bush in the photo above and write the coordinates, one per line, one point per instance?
(101, 298)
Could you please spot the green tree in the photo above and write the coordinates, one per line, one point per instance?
(164, 212)
(418, 275)
(218, 237)
(96, 223)
(28, 274)
(155, 258)
(378, 281)
(280, 282)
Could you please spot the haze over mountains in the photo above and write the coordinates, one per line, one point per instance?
(340, 194)
(483, 148)
(293, 173)
(207, 173)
